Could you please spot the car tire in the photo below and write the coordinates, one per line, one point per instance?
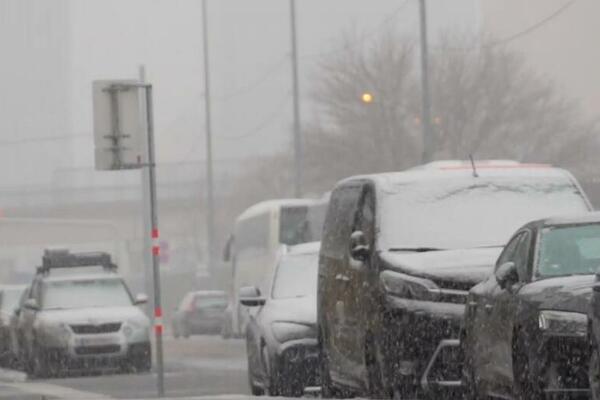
(376, 381)
(40, 367)
(328, 389)
(527, 384)
(594, 370)
(185, 330)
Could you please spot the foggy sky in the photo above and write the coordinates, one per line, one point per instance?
(109, 39)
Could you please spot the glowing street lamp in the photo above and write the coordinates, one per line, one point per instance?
(367, 98)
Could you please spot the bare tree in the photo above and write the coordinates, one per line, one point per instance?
(486, 102)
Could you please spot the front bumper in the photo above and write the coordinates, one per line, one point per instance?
(414, 332)
(297, 366)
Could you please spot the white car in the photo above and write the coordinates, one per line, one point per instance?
(82, 321)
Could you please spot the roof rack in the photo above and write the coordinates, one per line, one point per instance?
(63, 258)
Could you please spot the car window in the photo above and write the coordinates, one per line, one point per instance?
(569, 250)
(210, 302)
(521, 255)
(508, 254)
(365, 220)
(338, 222)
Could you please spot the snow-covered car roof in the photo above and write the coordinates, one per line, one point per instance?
(442, 170)
(12, 287)
(264, 206)
(587, 218)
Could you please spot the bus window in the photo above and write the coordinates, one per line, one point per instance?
(294, 226)
(252, 235)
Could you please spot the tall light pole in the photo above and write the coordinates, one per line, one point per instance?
(298, 150)
(428, 139)
(210, 204)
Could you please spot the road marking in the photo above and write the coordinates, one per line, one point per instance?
(50, 390)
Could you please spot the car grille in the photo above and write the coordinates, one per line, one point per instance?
(92, 350)
(453, 292)
(85, 329)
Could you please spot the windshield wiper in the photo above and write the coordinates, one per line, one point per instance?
(416, 249)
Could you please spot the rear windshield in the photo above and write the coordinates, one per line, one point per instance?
(570, 250)
(210, 302)
(468, 213)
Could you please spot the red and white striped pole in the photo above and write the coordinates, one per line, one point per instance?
(158, 325)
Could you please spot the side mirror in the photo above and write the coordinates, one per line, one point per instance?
(359, 249)
(250, 296)
(507, 275)
(141, 298)
(31, 304)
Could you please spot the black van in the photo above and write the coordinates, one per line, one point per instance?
(400, 252)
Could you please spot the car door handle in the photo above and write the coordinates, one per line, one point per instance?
(488, 308)
(342, 278)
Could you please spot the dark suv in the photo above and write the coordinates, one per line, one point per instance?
(400, 252)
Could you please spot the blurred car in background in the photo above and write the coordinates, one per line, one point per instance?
(77, 318)
(281, 336)
(10, 296)
(200, 312)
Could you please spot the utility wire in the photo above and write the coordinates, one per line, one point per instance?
(44, 139)
(515, 36)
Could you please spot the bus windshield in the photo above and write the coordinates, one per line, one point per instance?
(301, 224)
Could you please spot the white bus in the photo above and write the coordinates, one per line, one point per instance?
(260, 235)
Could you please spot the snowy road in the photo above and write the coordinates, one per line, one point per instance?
(199, 366)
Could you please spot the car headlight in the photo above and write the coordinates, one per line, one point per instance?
(286, 331)
(133, 325)
(409, 287)
(563, 323)
(58, 331)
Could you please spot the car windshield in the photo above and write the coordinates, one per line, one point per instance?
(10, 299)
(296, 276)
(85, 293)
(471, 212)
(570, 250)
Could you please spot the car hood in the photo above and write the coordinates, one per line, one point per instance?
(570, 293)
(302, 310)
(468, 266)
(93, 315)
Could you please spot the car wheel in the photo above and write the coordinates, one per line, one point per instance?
(527, 380)
(328, 389)
(40, 366)
(185, 330)
(376, 382)
(594, 371)
(256, 390)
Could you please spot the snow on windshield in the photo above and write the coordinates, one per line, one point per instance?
(296, 276)
(85, 293)
(474, 212)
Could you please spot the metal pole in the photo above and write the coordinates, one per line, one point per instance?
(210, 207)
(147, 224)
(298, 150)
(158, 327)
(428, 139)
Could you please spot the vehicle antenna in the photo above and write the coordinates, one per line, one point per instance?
(475, 174)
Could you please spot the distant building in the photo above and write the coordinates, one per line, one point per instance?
(34, 86)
